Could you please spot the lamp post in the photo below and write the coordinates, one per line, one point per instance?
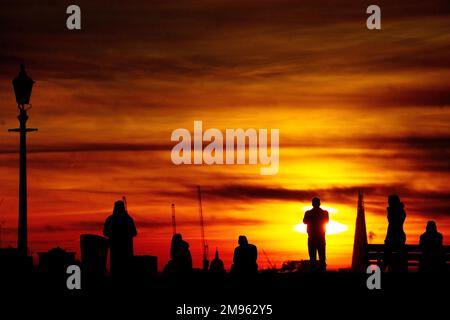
(22, 89)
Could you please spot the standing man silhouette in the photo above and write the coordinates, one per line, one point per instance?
(120, 230)
(316, 220)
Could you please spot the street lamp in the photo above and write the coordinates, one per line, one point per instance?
(23, 85)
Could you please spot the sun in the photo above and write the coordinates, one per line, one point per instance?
(332, 227)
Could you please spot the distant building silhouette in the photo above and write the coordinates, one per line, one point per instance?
(433, 258)
(144, 267)
(56, 261)
(120, 230)
(316, 220)
(359, 258)
(296, 266)
(181, 259)
(217, 265)
(94, 255)
(53, 266)
(245, 256)
(13, 262)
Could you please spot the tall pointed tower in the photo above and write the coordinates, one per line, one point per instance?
(359, 260)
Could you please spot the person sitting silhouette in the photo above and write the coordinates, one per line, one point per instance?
(245, 256)
(181, 259)
(316, 220)
(432, 259)
(395, 236)
(120, 229)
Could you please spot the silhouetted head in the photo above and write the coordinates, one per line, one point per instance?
(119, 208)
(316, 202)
(243, 240)
(177, 237)
(176, 244)
(431, 226)
(394, 200)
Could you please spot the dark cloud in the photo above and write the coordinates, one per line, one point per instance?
(141, 223)
(440, 144)
(429, 203)
(411, 152)
(414, 142)
(231, 40)
(243, 192)
(212, 221)
(93, 147)
(406, 97)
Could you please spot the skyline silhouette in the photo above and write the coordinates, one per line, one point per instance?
(119, 229)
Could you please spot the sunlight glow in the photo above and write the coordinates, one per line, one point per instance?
(332, 227)
(331, 211)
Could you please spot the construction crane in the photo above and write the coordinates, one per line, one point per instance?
(174, 223)
(202, 228)
(271, 266)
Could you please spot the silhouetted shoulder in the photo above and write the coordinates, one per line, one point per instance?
(440, 237)
(107, 228)
(307, 217)
(132, 226)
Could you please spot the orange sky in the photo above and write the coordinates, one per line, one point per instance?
(355, 109)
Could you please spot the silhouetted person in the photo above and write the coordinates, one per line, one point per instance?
(395, 236)
(245, 256)
(120, 230)
(181, 259)
(432, 259)
(216, 265)
(316, 220)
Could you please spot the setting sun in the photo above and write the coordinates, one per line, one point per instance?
(332, 227)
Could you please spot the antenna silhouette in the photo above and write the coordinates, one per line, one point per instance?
(202, 228)
(174, 223)
(1, 230)
(124, 199)
(1, 225)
